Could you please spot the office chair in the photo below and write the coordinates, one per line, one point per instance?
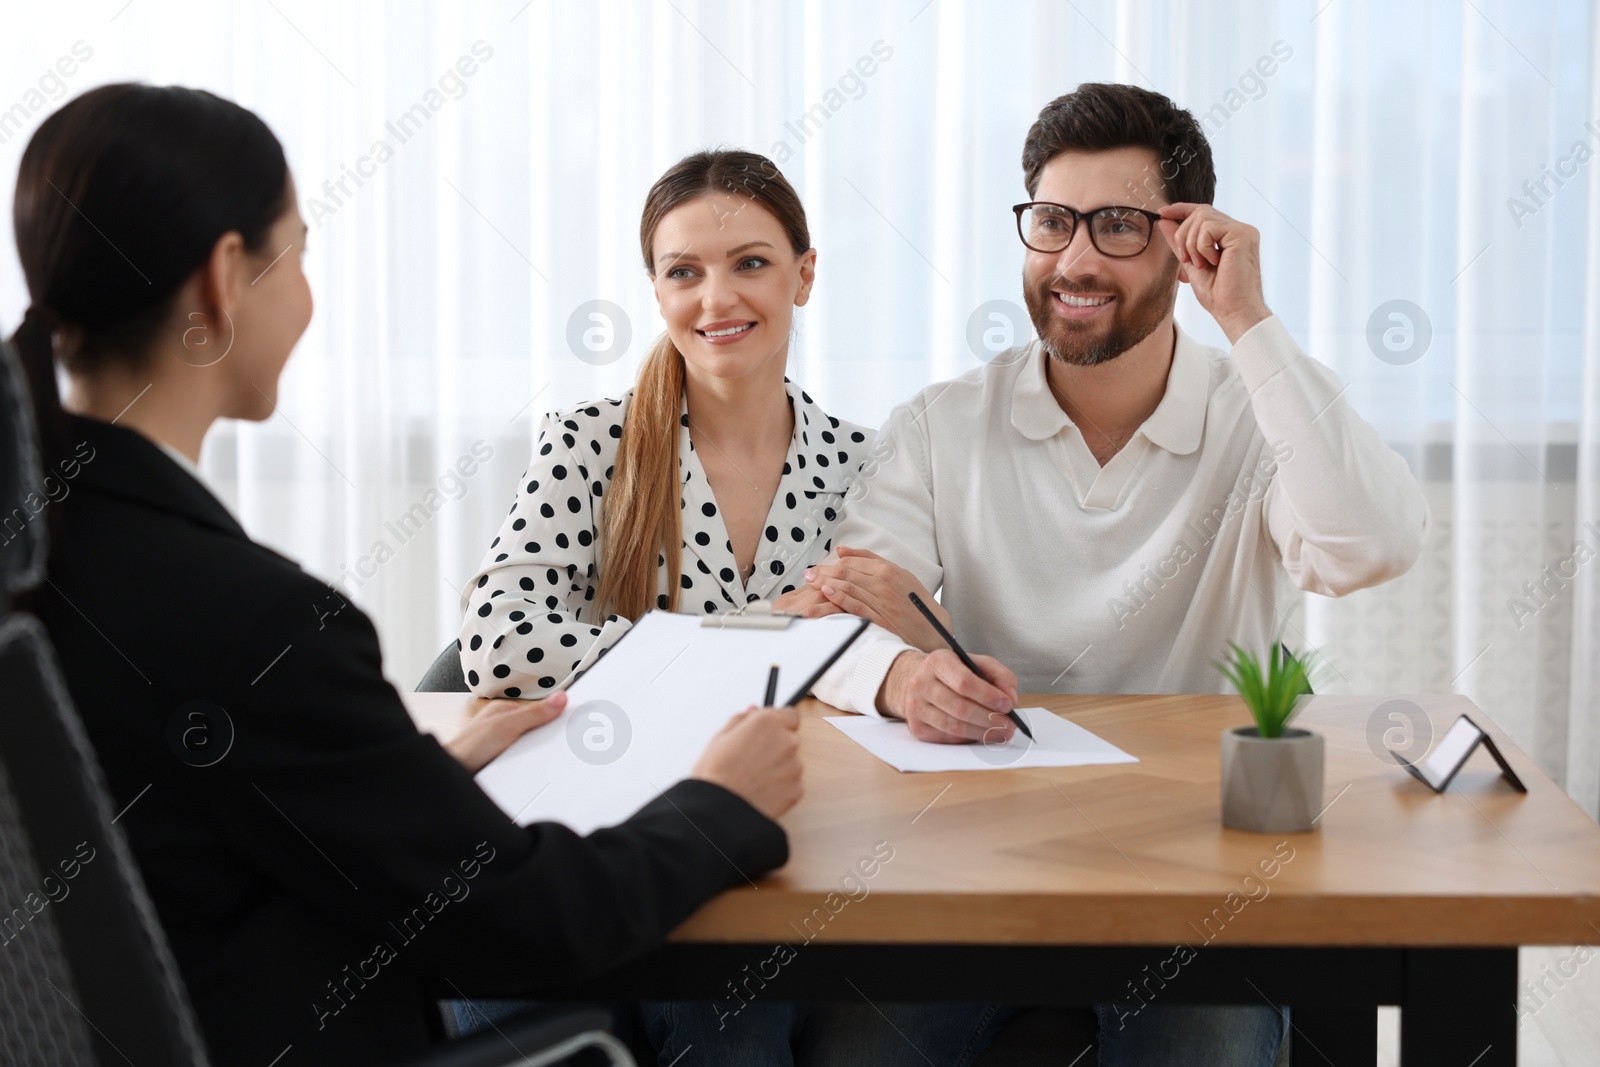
(444, 674)
(86, 976)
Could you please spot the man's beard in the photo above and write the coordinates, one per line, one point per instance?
(1087, 346)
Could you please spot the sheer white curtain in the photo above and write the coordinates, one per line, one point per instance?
(473, 175)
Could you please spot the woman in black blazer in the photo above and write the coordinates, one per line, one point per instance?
(322, 869)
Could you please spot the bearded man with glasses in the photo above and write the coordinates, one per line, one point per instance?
(1103, 509)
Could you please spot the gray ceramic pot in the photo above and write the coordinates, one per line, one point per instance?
(1271, 785)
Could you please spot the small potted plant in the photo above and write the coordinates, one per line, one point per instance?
(1271, 772)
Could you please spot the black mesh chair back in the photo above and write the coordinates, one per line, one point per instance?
(85, 973)
(22, 500)
(86, 976)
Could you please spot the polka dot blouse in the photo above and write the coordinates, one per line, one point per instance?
(532, 624)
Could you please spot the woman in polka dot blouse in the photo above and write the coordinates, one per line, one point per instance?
(714, 482)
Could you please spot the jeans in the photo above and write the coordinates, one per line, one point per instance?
(1190, 1035)
(780, 1034)
(783, 1034)
(474, 1015)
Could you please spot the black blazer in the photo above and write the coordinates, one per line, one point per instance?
(328, 871)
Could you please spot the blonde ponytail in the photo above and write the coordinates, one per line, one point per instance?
(640, 520)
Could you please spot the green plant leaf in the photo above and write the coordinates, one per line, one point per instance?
(1271, 695)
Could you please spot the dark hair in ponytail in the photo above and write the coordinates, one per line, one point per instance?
(121, 196)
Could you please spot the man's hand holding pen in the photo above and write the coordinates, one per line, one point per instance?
(941, 700)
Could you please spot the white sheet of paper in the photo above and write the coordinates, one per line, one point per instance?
(1057, 743)
(641, 716)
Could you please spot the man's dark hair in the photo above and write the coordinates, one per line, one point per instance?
(1099, 116)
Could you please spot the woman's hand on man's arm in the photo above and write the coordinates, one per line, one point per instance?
(866, 585)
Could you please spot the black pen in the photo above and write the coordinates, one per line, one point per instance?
(966, 660)
(772, 687)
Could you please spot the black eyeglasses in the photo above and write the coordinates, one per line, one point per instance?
(1118, 232)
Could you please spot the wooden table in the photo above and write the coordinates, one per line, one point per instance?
(1092, 884)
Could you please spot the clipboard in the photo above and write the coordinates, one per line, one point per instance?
(640, 717)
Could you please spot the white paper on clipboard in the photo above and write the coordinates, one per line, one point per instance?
(641, 716)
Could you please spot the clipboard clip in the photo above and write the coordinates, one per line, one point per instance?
(752, 615)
